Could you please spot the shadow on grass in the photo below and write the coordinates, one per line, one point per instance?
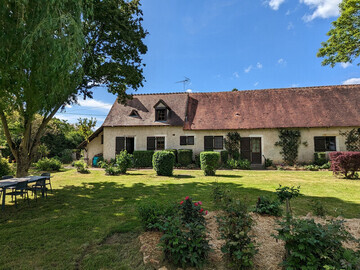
(228, 176)
(75, 216)
(180, 176)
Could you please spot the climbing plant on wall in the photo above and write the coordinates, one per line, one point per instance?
(289, 141)
(352, 139)
(232, 144)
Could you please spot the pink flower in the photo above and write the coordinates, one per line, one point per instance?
(206, 212)
(181, 202)
(200, 203)
(187, 197)
(196, 204)
(201, 210)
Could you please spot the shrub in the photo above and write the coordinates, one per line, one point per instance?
(163, 163)
(312, 167)
(209, 162)
(312, 246)
(48, 164)
(220, 196)
(268, 162)
(143, 158)
(81, 167)
(318, 208)
(285, 194)
(112, 170)
(197, 160)
(124, 161)
(185, 157)
(345, 163)
(175, 152)
(266, 206)
(185, 245)
(326, 166)
(192, 212)
(153, 214)
(241, 164)
(320, 158)
(224, 154)
(232, 144)
(66, 156)
(235, 229)
(4, 167)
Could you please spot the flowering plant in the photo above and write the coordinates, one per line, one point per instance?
(192, 211)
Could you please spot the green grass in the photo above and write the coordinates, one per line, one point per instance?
(90, 220)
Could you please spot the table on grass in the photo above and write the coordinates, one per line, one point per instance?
(8, 183)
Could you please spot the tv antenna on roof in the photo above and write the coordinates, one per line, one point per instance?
(185, 82)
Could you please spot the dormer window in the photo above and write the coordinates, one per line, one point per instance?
(160, 114)
(161, 111)
(134, 113)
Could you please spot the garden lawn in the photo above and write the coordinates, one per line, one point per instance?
(90, 222)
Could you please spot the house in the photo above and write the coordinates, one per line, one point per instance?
(200, 121)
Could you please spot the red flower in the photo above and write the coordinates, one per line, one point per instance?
(206, 212)
(200, 203)
(187, 197)
(181, 202)
(201, 210)
(196, 204)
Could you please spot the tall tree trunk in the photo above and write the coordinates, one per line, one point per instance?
(22, 163)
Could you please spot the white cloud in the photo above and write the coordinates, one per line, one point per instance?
(73, 118)
(275, 4)
(248, 69)
(282, 61)
(259, 65)
(256, 84)
(345, 65)
(189, 91)
(352, 81)
(236, 74)
(295, 85)
(93, 103)
(323, 9)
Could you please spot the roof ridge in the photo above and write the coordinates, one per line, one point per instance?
(153, 94)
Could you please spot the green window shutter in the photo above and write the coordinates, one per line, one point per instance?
(150, 143)
(120, 144)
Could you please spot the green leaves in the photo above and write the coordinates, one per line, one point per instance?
(343, 44)
(289, 141)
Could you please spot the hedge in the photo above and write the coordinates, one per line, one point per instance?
(345, 163)
(163, 163)
(209, 162)
(185, 157)
(224, 156)
(175, 152)
(320, 158)
(143, 158)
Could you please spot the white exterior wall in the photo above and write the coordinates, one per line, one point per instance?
(172, 140)
(93, 148)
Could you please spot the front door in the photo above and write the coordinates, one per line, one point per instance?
(250, 149)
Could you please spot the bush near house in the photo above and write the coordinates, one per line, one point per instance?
(209, 162)
(4, 167)
(185, 157)
(224, 156)
(81, 167)
(345, 163)
(241, 164)
(320, 158)
(163, 163)
(175, 153)
(120, 165)
(48, 164)
(143, 158)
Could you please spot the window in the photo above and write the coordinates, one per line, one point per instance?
(160, 115)
(124, 143)
(187, 140)
(213, 142)
(155, 143)
(134, 113)
(325, 143)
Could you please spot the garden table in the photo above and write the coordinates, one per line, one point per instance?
(4, 184)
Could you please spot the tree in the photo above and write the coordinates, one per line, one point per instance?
(343, 44)
(232, 144)
(52, 51)
(85, 126)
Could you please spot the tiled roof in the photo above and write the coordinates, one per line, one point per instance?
(119, 114)
(324, 106)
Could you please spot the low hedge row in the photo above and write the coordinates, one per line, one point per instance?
(143, 158)
(185, 157)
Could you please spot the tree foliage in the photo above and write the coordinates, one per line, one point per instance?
(52, 51)
(289, 141)
(85, 126)
(352, 139)
(232, 144)
(343, 44)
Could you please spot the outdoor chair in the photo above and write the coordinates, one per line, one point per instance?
(47, 181)
(20, 189)
(39, 186)
(8, 177)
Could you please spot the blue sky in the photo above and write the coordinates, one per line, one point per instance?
(226, 44)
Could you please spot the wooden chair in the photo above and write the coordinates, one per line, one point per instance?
(47, 181)
(40, 186)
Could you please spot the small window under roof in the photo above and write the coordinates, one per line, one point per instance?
(134, 113)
